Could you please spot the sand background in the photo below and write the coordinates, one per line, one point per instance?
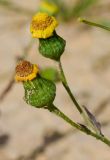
(27, 133)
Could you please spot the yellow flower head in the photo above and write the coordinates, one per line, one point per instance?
(43, 25)
(48, 7)
(26, 71)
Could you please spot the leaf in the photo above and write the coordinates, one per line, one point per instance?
(91, 120)
(94, 24)
(50, 74)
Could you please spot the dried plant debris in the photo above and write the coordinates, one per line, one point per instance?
(4, 138)
(7, 89)
(92, 122)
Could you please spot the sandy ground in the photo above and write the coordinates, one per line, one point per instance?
(27, 133)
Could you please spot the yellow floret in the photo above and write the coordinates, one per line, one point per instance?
(28, 77)
(43, 25)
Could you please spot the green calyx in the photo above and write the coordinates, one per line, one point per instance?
(39, 92)
(52, 47)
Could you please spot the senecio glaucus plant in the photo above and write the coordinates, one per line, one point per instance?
(40, 92)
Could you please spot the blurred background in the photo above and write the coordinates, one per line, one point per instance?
(27, 133)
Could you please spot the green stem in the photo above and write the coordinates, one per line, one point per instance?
(82, 128)
(94, 24)
(65, 84)
(81, 110)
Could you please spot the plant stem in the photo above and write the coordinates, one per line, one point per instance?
(94, 24)
(65, 84)
(82, 128)
(81, 109)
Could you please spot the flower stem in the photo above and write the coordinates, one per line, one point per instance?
(65, 84)
(80, 108)
(94, 24)
(52, 108)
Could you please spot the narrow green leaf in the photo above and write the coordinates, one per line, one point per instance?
(94, 24)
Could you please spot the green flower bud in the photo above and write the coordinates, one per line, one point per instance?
(52, 47)
(39, 92)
